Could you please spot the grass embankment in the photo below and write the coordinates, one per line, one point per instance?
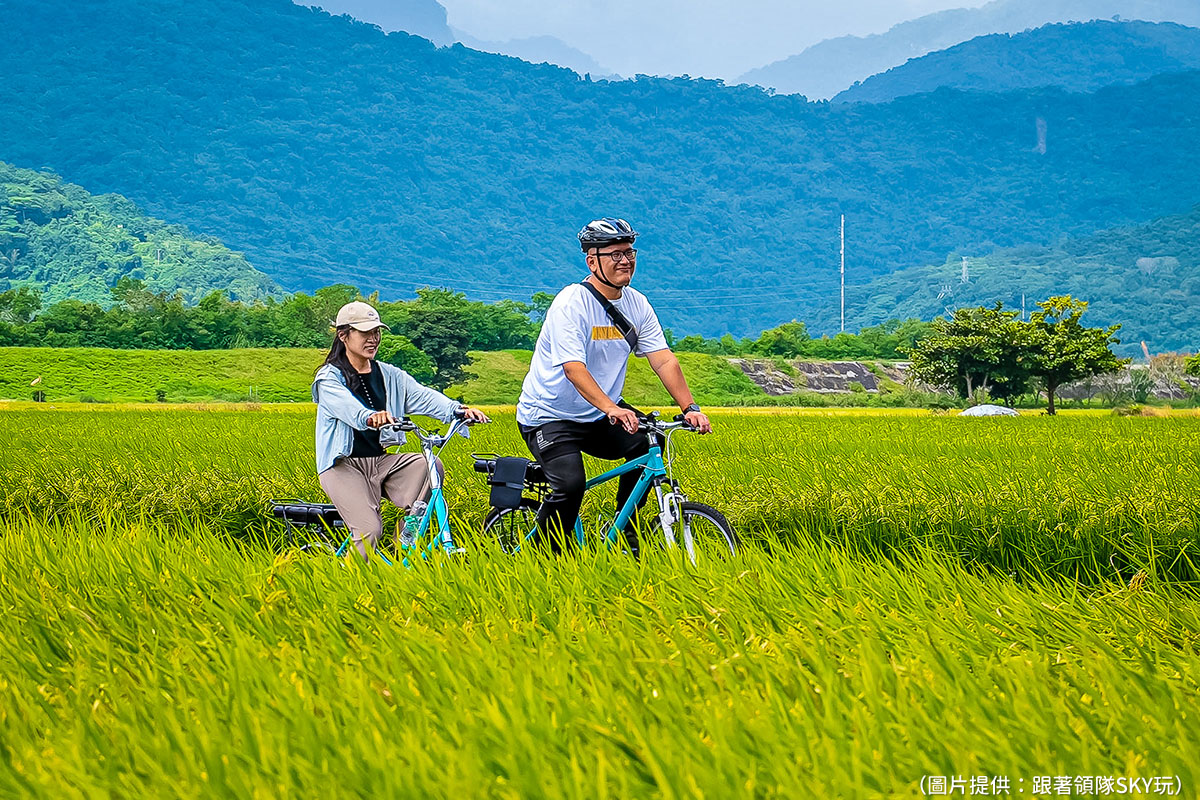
(285, 375)
(103, 375)
(495, 379)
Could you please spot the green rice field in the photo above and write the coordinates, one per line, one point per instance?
(919, 597)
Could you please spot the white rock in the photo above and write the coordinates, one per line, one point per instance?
(989, 411)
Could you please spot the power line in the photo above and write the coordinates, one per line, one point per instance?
(773, 301)
(500, 289)
(493, 286)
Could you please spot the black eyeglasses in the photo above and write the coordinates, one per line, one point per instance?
(618, 256)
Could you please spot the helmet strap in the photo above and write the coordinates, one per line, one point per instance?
(598, 273)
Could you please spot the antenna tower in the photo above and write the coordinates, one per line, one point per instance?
(843, 273)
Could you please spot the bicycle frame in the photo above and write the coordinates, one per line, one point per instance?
(652, 468)
(436, 508)
(654, 472)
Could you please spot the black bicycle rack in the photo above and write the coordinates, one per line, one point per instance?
(302, 514)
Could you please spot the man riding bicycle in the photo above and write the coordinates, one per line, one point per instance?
(571, 400)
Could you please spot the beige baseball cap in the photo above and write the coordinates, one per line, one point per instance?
(360, 316)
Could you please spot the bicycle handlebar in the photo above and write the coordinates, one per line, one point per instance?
(406, 425)
(646, 422)
(650, 422)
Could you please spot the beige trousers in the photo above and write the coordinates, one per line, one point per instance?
(356, 485)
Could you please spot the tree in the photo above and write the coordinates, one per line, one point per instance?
(1064, 350)
(433, 331)
(540, 303)
(19, 305)
(400, 352)
(132, 293)
(329, 300)
(787, 340)
(1168, 375)
(977, 350)
(1193, 365)
(501, 325)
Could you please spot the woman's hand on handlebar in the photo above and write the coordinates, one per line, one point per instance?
(381, 418)
(473, 416)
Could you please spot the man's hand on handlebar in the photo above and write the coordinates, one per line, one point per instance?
(473, 416)
(625, 417)
(699, 421)
(381, 418)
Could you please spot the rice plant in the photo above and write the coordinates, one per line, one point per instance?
(141, 660)
(919, 597)
(1086, 497)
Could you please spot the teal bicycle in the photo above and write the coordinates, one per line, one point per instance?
(700, 530)
(319, 526)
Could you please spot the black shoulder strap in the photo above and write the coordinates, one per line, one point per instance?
(618, 319)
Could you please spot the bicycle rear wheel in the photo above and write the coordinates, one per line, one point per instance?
(511, 526)
(702, 532)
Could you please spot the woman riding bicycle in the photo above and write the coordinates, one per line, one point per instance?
(356, 396)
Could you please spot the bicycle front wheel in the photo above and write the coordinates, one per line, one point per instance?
(511, 526)
(702, 532)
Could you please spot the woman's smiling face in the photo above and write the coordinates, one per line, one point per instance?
(363, 344)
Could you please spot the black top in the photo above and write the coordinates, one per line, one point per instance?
(369, 389)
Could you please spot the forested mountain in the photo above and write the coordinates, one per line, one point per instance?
(424, 18)
(327, 151)
(60, 239)
(1146, 277)
(1078, 57)
(828, 67)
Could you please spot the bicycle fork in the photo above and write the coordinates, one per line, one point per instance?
(437, 505)
(670, 514)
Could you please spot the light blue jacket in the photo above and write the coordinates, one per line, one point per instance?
(340, 413)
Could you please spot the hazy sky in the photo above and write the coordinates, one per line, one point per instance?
(696, 37)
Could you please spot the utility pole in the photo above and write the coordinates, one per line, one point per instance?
(1023, 307)
(843, 273)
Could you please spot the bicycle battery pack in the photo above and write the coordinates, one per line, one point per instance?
(507, 481)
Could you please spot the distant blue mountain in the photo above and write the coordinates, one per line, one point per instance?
(540, 50)
(424, 18)
(427, 19)
(828, 67)
(1077, 57)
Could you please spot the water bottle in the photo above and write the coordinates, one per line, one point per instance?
(412, 524)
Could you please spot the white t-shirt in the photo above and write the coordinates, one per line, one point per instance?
(578, 329)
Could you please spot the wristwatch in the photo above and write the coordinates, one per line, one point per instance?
(691, 408)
